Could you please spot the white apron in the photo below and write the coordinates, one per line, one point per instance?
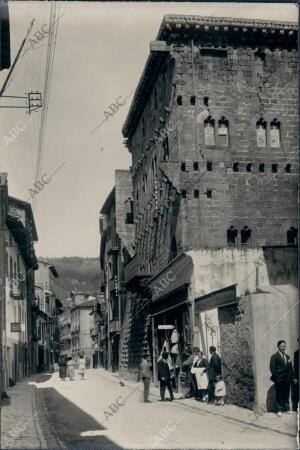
(201, 378)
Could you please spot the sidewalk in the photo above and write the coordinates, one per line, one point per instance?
(287, 424)
(23, 415)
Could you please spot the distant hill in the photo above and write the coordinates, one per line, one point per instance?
(75, 274)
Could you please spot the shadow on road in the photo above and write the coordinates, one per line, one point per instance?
(68, 421)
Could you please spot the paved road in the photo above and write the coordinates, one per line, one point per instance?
(80, 415)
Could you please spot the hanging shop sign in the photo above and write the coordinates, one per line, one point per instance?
(17, 327)
(172, 277)
(165, 327)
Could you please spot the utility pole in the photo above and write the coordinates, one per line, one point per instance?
(3, 215)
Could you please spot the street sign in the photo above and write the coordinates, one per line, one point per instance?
(166, 327)
(17, 327)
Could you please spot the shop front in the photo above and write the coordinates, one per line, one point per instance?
(210, 311)
(170, 315)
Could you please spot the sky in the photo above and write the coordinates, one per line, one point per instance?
(100, 53)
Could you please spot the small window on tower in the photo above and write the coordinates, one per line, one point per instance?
(288, 168)
(209, 193)
(193, 100)
(209, 166)
(129, 211)
(261, 167)
(196, 193)
(209, 131)
(275, 133)
(196, 165)
(179, 100)
(183, 193)
(274, 168)
(292, 236)
(232, 233)
(261, 133)
(235, 167)
(249, 167)
(223, 131)
(245, 235)
(183, 166)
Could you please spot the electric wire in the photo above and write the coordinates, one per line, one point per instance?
(53, 27)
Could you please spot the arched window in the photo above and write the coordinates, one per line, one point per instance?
(129, 211)
(223, 131)
(209, 131)
(275, 133)
(245, 235)
(292, 236)
(232, 233)
(173, 248)
(261, 132)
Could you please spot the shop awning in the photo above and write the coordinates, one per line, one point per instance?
(175, 275)
(168, 309)
(216, 299)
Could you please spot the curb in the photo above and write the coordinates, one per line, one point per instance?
(49, 436)
(250, 424)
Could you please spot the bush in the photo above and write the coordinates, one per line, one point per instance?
(237, 358)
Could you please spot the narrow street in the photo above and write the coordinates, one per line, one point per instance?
(80, 414)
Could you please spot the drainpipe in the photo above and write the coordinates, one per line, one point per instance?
(3, 214)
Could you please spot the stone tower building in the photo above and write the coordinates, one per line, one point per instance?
(212, 130)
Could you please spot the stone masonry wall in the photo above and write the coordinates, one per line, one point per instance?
(243, 88)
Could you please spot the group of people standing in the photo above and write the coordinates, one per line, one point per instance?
(67, 367)
(205, 377)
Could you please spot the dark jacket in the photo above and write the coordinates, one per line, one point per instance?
(202, 363)
(296, 364)
(215, 367)
(163, 371)
(281, 370)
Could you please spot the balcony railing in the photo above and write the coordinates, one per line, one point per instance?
(136, 269)
(17, 286)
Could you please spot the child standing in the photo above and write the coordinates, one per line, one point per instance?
(220, 391)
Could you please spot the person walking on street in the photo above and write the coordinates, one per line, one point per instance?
(145, 376)
(282, 375)
(62, 367)
(164, 376)
(214, 370)
(81, 366)
(189, 362)
(70, 368)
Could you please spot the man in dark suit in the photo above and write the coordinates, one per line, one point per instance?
(213, 371)
(164, 376)
(295, 388)
(282, 375)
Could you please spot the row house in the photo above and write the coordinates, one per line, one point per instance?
(82, 324)
(117, 233)
(64, 322)
(213, 135)
(46, 309)
(18, 264)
